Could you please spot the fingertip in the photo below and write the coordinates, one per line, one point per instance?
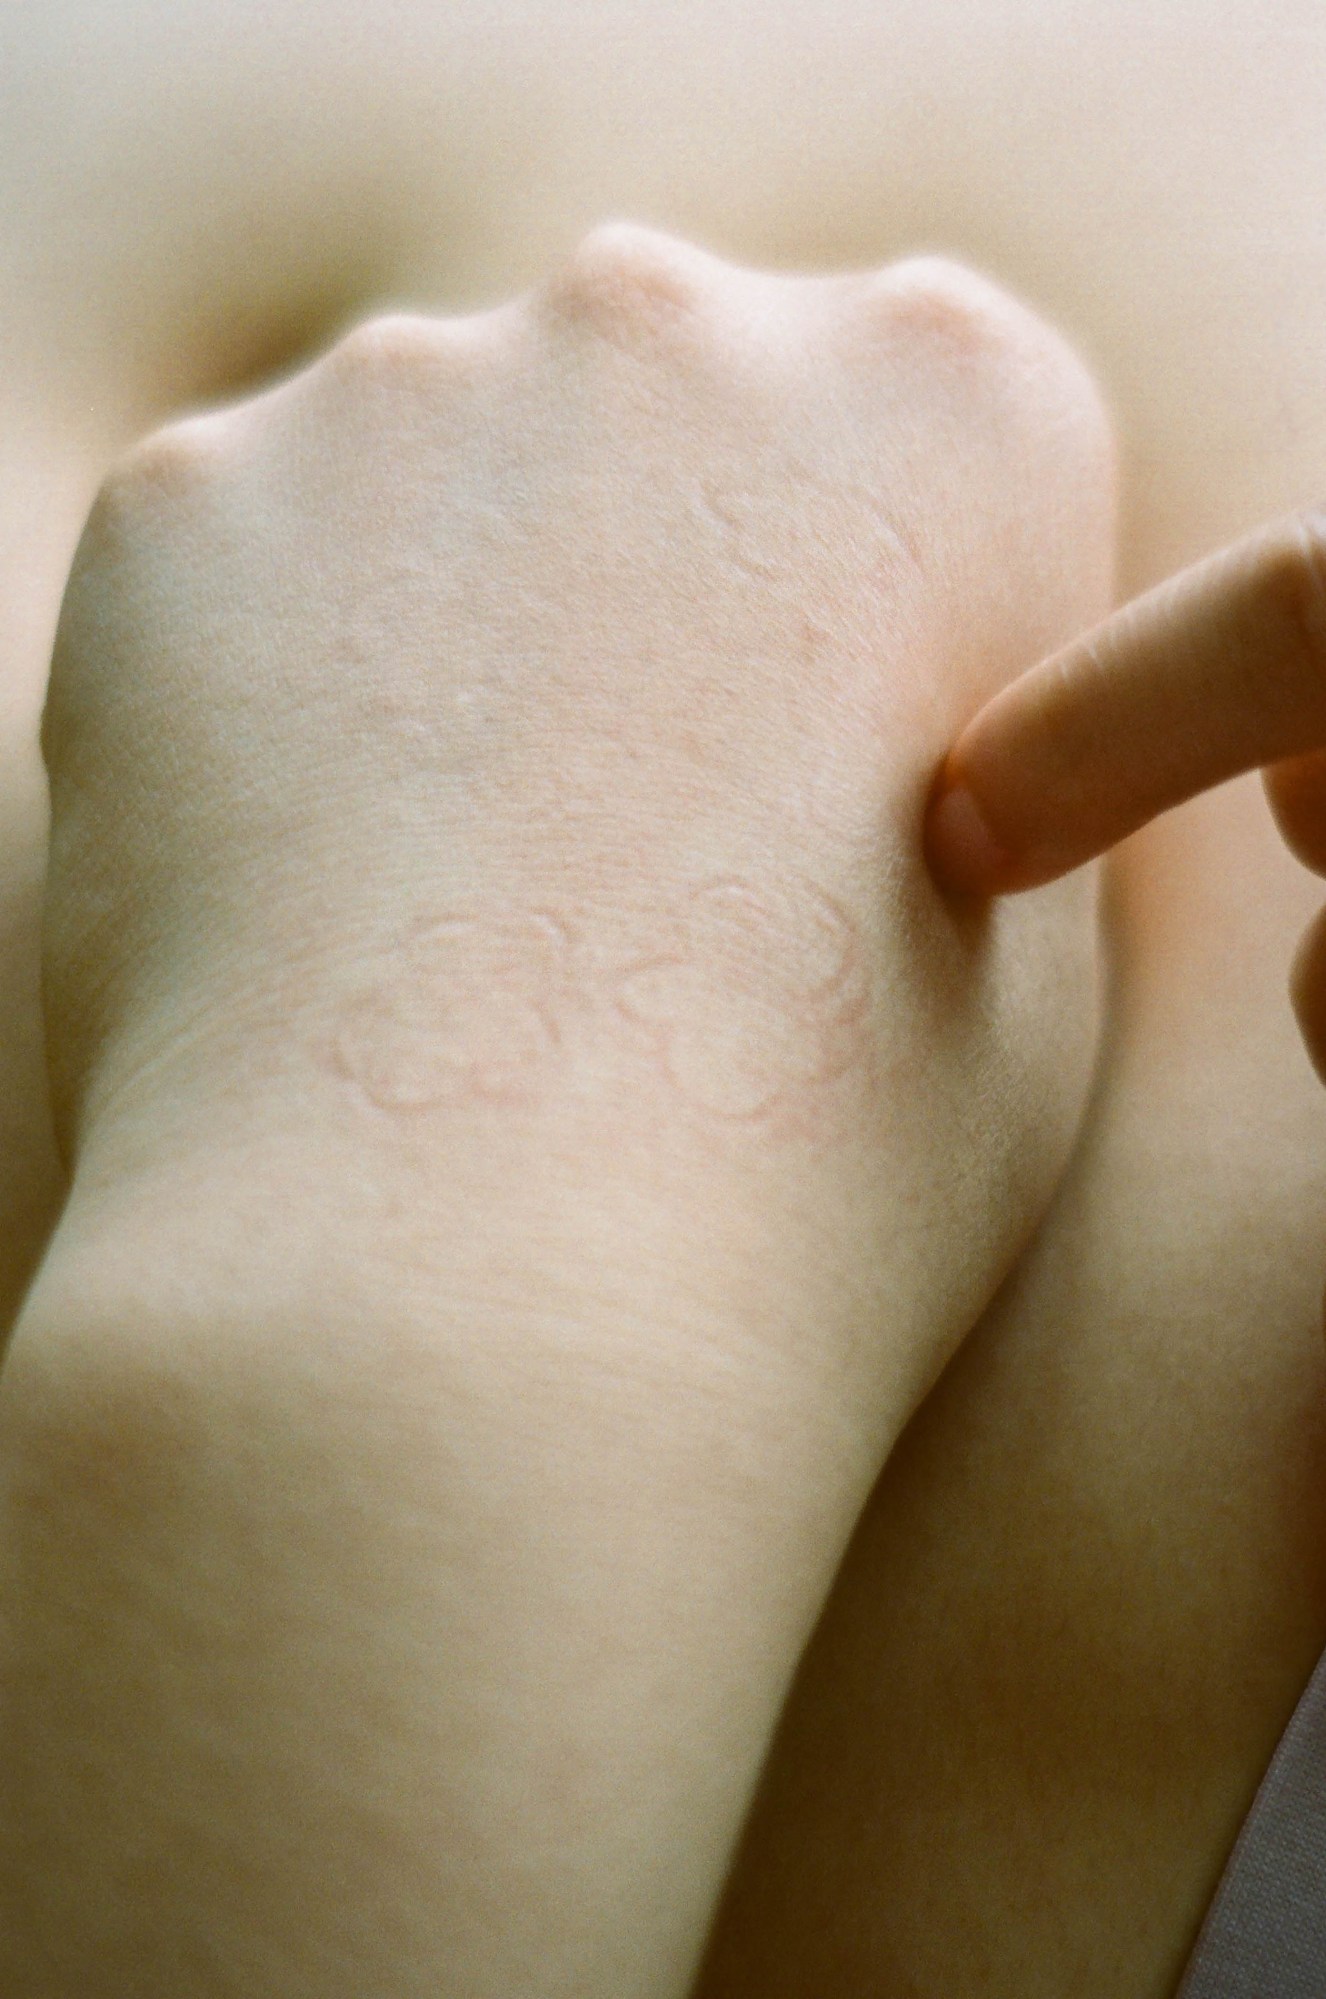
(1307, 992)
(1296, 793)
(962, 851)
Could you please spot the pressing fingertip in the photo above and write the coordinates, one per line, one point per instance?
(963, 853)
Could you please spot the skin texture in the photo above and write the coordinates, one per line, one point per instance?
(1093, 1581)
(536, 1131)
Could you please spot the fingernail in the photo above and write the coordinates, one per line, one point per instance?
(962, 851)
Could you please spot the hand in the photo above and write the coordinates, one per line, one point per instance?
(536, 1128)
(1217, 671)
(522, 724)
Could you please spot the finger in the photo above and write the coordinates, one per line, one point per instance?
(1307, 991)
(1296, 790)
(1219, 670)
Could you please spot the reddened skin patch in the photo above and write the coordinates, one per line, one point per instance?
(762, 998)
(468, 1009)
(756, 996)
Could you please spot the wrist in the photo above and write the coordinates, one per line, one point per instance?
(594, 1192)
(532, 1569)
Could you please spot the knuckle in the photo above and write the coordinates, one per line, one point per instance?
(174, 461)
(389, 348)
(982, 338)
(967, 318)
(625, 279)
(940, 300)
(147, 508)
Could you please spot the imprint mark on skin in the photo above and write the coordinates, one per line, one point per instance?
(850, 533)
(747, 525)
(468, 1009)
(763, 998)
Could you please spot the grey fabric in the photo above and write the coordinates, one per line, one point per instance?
(1265, 1934)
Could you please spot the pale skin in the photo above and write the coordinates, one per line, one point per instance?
(1114, 1499)
(524, 1072)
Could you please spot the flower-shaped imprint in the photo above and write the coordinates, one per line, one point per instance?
(466, 1009)
(763, 996)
